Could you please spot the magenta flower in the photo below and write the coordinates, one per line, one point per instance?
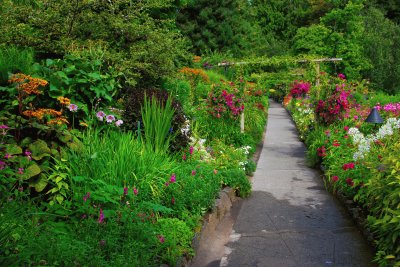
(193, 172)
(28, 154)
(73, 107)
(110, 118)
(20, 170)
(125, 191)
(7, 156)
(191, 150)
(2, 165)
(85, 197)
(173, 178)
(135, 191)
(100, 115)
(335, 178)
(341, 76)
(166, 184)
(184, 157)
(101, 216)
(119, 123)
(161, 238)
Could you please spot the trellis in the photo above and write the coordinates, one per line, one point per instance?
(317, 70)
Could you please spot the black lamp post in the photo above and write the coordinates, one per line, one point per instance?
(374, 117)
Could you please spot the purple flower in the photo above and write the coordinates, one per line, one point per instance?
(110, 118)
(101, 216)
(20, 170)
(73, 107)
(119, 123)
(100, 115)
(3, 126)
(173, 178)
(2, 165)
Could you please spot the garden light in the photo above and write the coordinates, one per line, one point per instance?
(374, 117)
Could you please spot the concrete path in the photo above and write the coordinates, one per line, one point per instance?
(290, 219)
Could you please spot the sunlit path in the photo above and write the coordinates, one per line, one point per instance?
(290, 219)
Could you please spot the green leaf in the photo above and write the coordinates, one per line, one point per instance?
(59, 199)
(40, 184)
(13, 149)
(79, 178)
(39, 149)
(31, 171)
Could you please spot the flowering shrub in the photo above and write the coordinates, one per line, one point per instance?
(300, 89)
(334, 107)
(223, 104)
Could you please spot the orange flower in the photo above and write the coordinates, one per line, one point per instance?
(58, 121)
(194, 73)
(63, 100)
(39, 113)
(27, 83)
(196, 59)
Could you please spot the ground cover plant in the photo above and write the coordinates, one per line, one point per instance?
(357, 158)
(90, 185)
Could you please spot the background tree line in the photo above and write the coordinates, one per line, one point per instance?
(148, 40)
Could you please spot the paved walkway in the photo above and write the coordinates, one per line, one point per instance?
(290, 219)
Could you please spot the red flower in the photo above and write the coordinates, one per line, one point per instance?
(349, 182)
(335, 178)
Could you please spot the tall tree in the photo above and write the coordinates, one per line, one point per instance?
(220, 26)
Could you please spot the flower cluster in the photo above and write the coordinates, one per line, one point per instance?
(27, 84)
(334, 107)
(101, 116)
(393, 108)
(364, 143)
(300, 89)
(194, 74)
(221, 103)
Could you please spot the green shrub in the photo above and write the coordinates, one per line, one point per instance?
(13, 59)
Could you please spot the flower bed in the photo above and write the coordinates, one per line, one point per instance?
(359, 159)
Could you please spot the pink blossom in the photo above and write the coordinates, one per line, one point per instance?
(20, 170)
(125, 191)
(135, 191)
(193, 172)
(161, 238)
(101, 216)
(73, 107)
(173, 178)
(335, 178)
(100, 115)
(191, 150)
(110, 118)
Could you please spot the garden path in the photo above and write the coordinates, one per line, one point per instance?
(290, 219)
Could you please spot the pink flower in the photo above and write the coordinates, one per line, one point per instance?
(161, 238)
(28, 154)
(119, 123)
(191, 150)
(73, 107)
(85, 197)
(135, 191)
(341, 76)
(20, 170)
(335, 178)
(101, 216)
(8, 156)
(166, 184)
(173, 200)
(125, 191)
(2, 165)
(110, 118)
(100, 115)
(193, 172)
(346, 128)
(348, 166)
(173, 178)
(215, 171)
(184, 157)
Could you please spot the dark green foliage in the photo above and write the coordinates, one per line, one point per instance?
(137, 37)
(132, 114)
(382, 47)
(220, 26)
(14, 59)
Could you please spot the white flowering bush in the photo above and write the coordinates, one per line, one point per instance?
(363, 143)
